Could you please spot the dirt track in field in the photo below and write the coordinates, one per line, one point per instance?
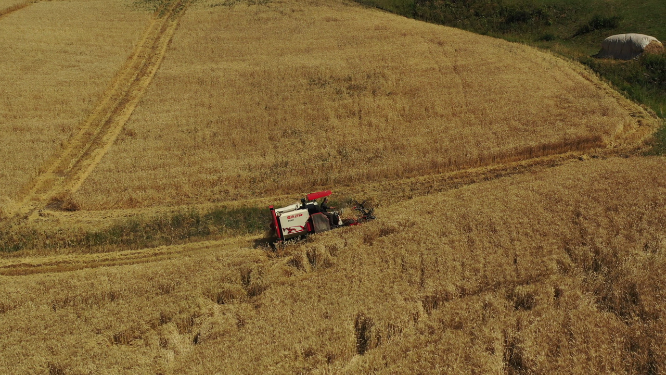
(67, 170)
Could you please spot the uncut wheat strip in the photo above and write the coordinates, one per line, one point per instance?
(645, 124)
(105, 123)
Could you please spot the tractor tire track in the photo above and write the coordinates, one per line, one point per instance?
(68, 170)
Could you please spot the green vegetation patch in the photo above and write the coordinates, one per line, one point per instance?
(160, 7)
(642, 79)
(402, 7)
(139, 233)
(599, 23)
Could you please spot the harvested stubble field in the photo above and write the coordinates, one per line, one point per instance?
(553, 265)
(559, 271)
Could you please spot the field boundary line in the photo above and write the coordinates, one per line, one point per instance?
(71, 166)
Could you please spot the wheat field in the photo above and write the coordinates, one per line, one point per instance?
(259, 100)
(538, 273)
(58, 57)
(519, 228)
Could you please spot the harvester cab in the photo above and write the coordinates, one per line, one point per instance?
(310, 216)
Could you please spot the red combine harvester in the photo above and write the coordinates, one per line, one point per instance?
(309, 216)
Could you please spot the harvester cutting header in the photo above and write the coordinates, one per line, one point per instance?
(310, 216)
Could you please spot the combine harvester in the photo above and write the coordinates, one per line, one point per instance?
(309, 216)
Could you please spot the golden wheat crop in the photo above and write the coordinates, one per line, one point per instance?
(8, 6)
(291, 96)
(555, 267)
(539, 273)
(58, 57)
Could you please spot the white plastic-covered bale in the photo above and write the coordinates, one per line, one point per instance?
(626, 46)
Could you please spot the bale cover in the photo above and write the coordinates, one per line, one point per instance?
(625, 46)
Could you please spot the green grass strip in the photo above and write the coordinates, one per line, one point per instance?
(138, 233)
